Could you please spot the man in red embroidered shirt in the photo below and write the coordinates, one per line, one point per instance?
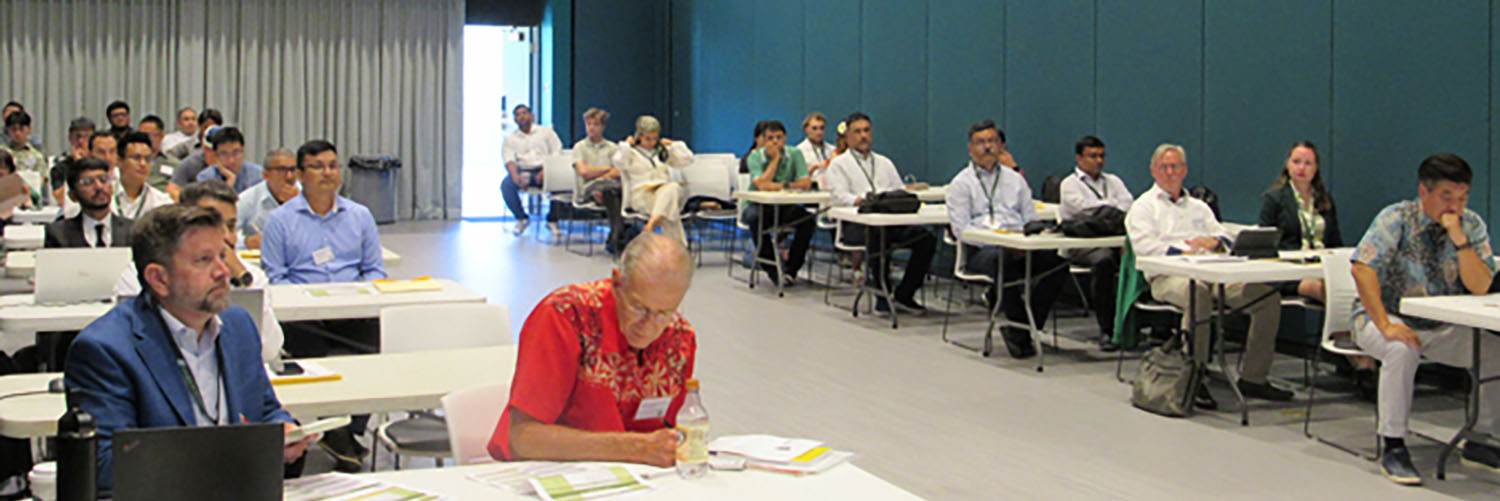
(602, 365)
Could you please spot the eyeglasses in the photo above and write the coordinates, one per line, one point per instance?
(93, 180)
(322, 167)
(656, 316)
(281, 170)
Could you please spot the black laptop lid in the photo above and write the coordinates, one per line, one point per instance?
(1257, 242)
(230, 463)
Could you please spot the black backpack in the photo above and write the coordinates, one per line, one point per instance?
(890, 202)
(1100, 221)
(1208, 196)
(1052, 189)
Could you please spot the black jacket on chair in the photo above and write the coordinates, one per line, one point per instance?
(68, 233)
(1279, 209)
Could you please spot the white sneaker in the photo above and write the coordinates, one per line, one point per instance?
(521, 226)
(556, 231)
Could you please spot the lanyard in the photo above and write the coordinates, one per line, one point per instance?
(120, 202)
(1307, 222)
(1102, 180)
(869, 172)
(187, 375)
(818, 148)
(989, 194)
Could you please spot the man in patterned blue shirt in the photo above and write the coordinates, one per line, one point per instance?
(1431, 246)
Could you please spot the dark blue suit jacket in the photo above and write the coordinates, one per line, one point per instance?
(121, 369)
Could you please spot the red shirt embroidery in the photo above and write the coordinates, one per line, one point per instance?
(575, 368)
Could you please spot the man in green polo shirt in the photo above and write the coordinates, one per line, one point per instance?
(774, 167)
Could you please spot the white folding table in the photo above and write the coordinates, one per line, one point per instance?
(1479, 312)
(927, 215)
(777, 198)
(1022, 242)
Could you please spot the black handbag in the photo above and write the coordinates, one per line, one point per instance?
(1101, 221)
(890, 202)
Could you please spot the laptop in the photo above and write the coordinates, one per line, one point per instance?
(79, 275)
(229, 463)
(1257, 243)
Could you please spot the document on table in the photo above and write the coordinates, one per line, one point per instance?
(1213, 258)
(593, 482)
(346, 487)
(784, 455)
(516, 477)
(338, 290)
(311, 372)
(413, 285)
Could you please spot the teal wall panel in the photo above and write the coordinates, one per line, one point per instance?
(963, 86)
(1261, 93)
(722, 103)
(893, 80)
(1049, 89)
(1406, 86)
(616, 64)
(830, 62)
(775, 68)
(1150, 85)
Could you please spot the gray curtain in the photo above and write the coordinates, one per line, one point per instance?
(375, 77)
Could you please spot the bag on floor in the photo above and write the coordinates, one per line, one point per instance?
(1165, 382)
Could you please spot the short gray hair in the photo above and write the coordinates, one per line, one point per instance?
(1164, 148)
(280, 153)
(654, 251)
(647, 123)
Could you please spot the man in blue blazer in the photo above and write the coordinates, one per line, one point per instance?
(177, 354)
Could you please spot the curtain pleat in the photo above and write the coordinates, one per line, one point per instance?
(375, 77)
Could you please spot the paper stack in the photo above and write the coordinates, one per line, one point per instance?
(345, 487)
(786, 455)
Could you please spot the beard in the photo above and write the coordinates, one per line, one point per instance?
(92, 205)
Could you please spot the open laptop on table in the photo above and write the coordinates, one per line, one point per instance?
(1257, 243)
(84, 275)
(229, 463)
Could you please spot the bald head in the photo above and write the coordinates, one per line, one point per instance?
(656, 256)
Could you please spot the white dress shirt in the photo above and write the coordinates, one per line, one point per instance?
(90, 234)
(150, 198)
(527, 149)
(174, 139)
(1158, 226)
(852, 175)
(1081, 192)
(202, 359)
(998, 198)
(641, 170)
(816, 154)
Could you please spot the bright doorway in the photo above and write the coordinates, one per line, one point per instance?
(499, 73)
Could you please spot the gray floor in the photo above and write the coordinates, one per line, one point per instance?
(943, 422)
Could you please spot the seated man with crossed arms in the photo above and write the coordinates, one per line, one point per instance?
(602, 366)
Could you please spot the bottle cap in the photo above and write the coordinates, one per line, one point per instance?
(692, 385)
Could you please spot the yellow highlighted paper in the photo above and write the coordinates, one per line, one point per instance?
(418, 284)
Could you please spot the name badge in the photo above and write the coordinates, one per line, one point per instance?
(168, 170)
(653, 408)
(322, 256)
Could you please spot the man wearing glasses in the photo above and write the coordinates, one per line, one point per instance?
(1088, 187)
(602, 365)
(90, 185)
(319, 237)
(256, 203)
(231, 168)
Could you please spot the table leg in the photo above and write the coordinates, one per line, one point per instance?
(885, 274)
(1192, 340)
(1036, 336)
(776, 249)
(1233, 376)
(1471, 412)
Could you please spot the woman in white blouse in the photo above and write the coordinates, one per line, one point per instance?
(643, 159)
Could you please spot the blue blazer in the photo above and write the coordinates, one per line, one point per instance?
(121, 370)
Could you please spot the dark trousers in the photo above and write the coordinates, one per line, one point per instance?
(1104, 277)
(609, 198)
(1043, 293)
(917, 238)
(316, 338)
(761, 218)
(512, 193)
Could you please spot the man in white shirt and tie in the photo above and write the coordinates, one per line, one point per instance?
(986, 196)
(859, 173)
(1166, 221)
(524, 151)
(1089, 187)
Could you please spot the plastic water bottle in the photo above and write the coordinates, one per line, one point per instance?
(692, 435)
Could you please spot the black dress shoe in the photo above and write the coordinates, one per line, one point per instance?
(1202, 399)
(1018, 343)
(1107, 343)
(881, 306)
(910, 306)
(1264, 391)
(346, 452)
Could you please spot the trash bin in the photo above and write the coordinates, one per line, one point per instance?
(372, 183)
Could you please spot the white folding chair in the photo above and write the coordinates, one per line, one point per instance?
(402, 330)
(706, 176)
(960, 274)
(472, 414)
(558, 180)
(1339, 288)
